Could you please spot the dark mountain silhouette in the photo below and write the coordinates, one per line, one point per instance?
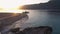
(52, 4)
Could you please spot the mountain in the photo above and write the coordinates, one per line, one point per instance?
(52, 4)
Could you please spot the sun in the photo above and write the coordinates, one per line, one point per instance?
(14, 5)
(10, 4)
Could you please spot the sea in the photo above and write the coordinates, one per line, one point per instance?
(45, 18)
(36, 18)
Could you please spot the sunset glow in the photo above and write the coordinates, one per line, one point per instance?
(15, 4)
(11, 11)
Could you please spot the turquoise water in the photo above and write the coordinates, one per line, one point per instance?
(44, 18)
(37, 18)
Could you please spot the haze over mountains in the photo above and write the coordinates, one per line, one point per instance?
(52, 4)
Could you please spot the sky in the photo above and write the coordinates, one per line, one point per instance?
(8, 4)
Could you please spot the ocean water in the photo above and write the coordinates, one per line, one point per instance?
(44, 18)
(37, 18)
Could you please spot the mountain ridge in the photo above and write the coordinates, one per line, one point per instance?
(52, 4)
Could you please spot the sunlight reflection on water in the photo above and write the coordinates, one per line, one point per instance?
(40, 18)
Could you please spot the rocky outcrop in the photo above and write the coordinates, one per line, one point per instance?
(34, 30)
